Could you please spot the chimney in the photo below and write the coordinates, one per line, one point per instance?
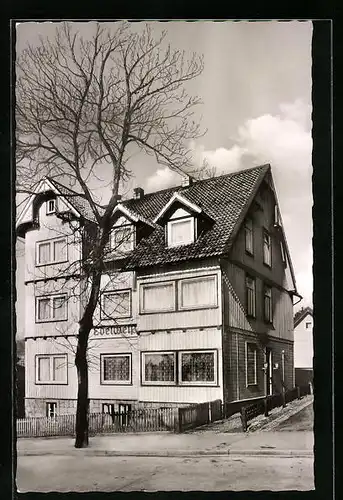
(186, 181)
(138, 193)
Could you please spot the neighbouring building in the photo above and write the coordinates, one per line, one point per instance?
(303, 346)
(20, 379)
(196, 296)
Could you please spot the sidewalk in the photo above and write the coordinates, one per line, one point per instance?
(175, 445)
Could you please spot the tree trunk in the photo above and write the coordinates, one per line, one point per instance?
(81, 427)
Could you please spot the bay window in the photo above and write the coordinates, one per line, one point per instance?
(198, 368)
(157, 297)
(158, 368)
(251, 364)
(180, 232)
(116, 304)
(51, 251)
(51, 369)
(116, 369)
(250, 296)
(51, 308)
(198, 292)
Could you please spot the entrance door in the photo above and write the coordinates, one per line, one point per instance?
(269, 356)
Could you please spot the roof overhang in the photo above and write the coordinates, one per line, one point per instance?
(181, 199)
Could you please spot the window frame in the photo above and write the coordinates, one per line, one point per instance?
(47, 403)
(145, 382)
(51, 243)
(51, 368)
(308, 323)
(247, 383)
(115, 355)
(201, 383)
(48, 211)
(267, 288)
(143, 286)
(51, 297)
(105, 316)
(116, 251)
(253, 279)
(208, 277)
(267, 233)
(250, 231)
(176, 221)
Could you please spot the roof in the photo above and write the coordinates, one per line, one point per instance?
(301, 315)
(225, 199)
(77, 200)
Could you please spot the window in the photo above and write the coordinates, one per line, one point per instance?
(50, 206)
(122, 240)
(195, 293)
(248, 230)
(158, 368)
(267, 299)
(107, 408)
(51, 369)
(308, 325)
(267, 248)
(51, 410)
(116, 369)
(157, 297)
(197, 367)
(52, 251)
(180, 232)
(250, 296)
(116, 304)
(251, 364)
(53, 308)
(277, 221)
(283, 253)
(124, 414)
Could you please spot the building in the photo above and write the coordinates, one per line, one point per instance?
(303, 346)
(20, 379)
(196, 302)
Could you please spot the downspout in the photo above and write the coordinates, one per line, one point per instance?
(237, 369)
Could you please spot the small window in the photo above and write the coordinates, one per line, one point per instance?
(51, 369)
(308, 325)
(250, 296)
(116, 304)
(53, 308)
(277, 221)
(51, 410)
(267, 249)
(52, 251)
(122, 240)
(197, 368)
(116, 369)
(107, 408)
(251, 364)
(158, 368)
(180, 232)
(157, 297)
(268, 311)
(124, 414)
(283, 254)
(50, 206)
(248, 231)
(197, 293)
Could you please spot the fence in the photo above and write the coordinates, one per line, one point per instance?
(267, 404)
(143, 420)
(196, 415)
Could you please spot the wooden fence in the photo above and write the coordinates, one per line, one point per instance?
(196, 415)
(142, 420)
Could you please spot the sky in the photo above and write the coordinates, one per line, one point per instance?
(256, 94)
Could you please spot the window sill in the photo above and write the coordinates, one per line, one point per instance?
(116, 382)
(38, 321)
(267, 265)
(251, 254)
(51, 383)
(158, 384)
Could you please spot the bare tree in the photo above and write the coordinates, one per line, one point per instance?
(82, 106)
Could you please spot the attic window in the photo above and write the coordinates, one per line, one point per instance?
(180, 232)
(50, 206)
(123, 239)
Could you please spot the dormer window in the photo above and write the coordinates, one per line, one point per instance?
(180, 232)
(122, 239)
(50, 207)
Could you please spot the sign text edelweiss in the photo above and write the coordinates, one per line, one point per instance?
(114, 330)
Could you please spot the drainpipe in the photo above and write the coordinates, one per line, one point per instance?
(237, 369)
(283, 377)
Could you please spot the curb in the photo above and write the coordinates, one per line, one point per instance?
(180, 453)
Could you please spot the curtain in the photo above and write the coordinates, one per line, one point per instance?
(44, 253)
(117, 368)
(60, 250)
(59, 368)
(198, 292)
(59, 307)
(44, 369)
(158, 297)
(122, 239)
(180, 232)
(159, 367)
(43, 309)
(197, 367)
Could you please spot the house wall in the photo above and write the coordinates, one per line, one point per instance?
(303, 343)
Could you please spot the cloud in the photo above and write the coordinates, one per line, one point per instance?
(163, 178)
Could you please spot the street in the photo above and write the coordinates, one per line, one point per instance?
(217, 473)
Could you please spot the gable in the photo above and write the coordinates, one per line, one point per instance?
(178, 213)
